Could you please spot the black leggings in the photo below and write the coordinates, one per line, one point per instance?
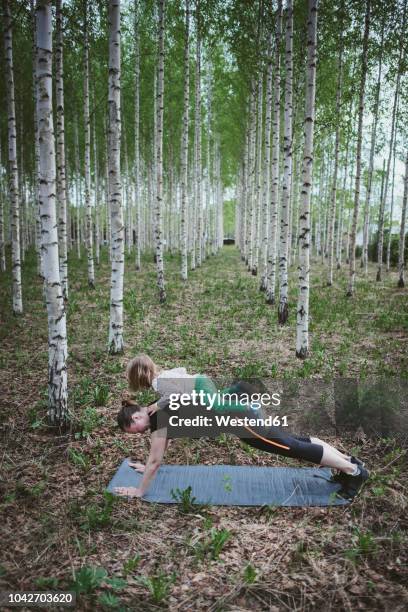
(284, 444)
(274, 439)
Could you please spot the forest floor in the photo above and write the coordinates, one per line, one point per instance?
(137, 556)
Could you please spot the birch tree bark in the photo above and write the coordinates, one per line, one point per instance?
(251, 173)
(87, 157)
(274, 195)
(383, 202)
(77, 191)
(2, 220)
(197, 139)
(302, 318)
(184, 145)
(258, 176)
(60, 141)
(115, 340)
(57, 337)
(401, 244)
(332, 216)
(283, 311)
(364, 258)
(96, 192)
(339, 237)
(390, 224)
(266, 164)
(12, 163)
(353, 231)
(159, 157)
(137, 173)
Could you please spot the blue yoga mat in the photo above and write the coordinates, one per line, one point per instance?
(237, 485)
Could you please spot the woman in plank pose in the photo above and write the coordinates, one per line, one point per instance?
(143, 373)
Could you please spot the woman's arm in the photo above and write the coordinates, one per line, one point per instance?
(157, 449)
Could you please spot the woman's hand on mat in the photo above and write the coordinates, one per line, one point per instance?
(129, 491)
(139, 467)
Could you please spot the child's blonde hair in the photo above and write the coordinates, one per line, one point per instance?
(140, 372)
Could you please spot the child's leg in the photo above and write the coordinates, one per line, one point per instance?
(333, 458)
(329, 446)
(307, 449)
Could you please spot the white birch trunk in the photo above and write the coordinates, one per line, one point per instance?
(339, 237)
(96, 193)
(389, 239)
(184, 146)
(244, 197)
(219, 194)
(107, 196)
(283, 311)
(159, 157)
(197, 140)
(251, 175)
(258, 177)
(57, 338)
(3, 266)
(364, 256)
(302, 319)
(12, 164)
(137, 173)
(273, 213)
(333, 201)
(383, 202)
(115, 341)
(36, 153)
(87, 158)
(77, 191)
(353, 230)
(60, 141)
(401, 244)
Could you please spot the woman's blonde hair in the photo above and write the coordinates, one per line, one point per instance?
(140, 372)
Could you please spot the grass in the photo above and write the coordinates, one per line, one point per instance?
(58, 528)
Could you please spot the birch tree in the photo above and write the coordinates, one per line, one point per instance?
(390, 224)
(60, 141)
(197, 139)
(14, 196)
(184, 144)
(251, 173)
(384, 195)
(258, 175)
(115, 340)
(137, 173)
(353, 231)
(57, 337)
(390, 151)
(283, 311)
(274, 195)
(401, 243)
(302, 317)
(2, 221)
(96, 191)
(159, 156)
(364, 258)
(332, 215)
(87, 157)
(266, 164)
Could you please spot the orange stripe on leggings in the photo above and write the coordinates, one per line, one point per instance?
(266, 439)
